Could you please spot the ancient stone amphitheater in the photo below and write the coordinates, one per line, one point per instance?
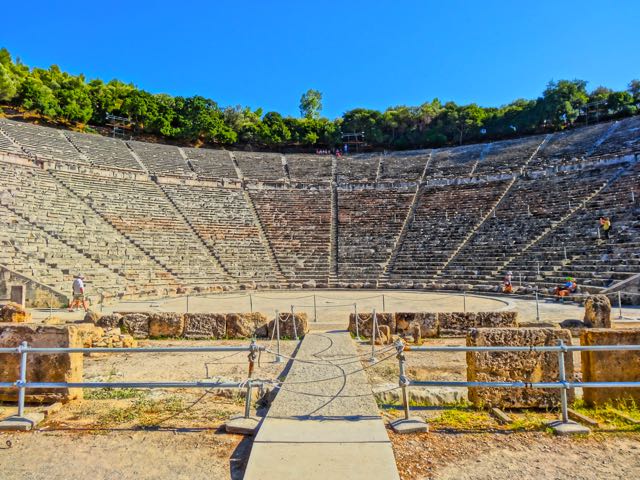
(146, 220)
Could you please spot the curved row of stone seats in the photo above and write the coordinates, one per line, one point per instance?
(141, 212)
(34, 253)
(594, 262)
(531, 207)
(404, 166)
(369, 222)
(7, 145)
(361, 168)
(571, 146)
(298, 226)
(310, 168)
(39, 198)
(454, 162)
(624, 139)
(43, 142)
(508, 156)
(104, 151)
(266, 167)
(444, 217)
(161, 159)
(208, 163)
(222, 218)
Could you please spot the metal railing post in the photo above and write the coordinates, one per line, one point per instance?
(403, 380)
(619, 305)
(563, 380)
(295, 329)
(315, 311)
(538, 268)
(565, 253)
(22, 349)
(253, 348)
(277, 327)
(250, 303)
(374, 327)
(187, 303)
(101, 301)
(464, 301)
(537, 306)
(355, 313)
(51, 304)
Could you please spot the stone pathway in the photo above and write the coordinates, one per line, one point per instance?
(320, 429)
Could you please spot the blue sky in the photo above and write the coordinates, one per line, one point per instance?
(358, 53)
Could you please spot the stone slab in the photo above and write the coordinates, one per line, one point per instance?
(569, 428)
(329, 430)
(410, 425)
(242, 425)
(24, 423)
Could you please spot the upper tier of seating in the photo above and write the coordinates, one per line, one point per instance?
(161, 159)
(207, 163)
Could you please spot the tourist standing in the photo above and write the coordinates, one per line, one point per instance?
(78, 294)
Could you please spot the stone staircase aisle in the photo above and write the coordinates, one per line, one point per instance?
(406, 225)
(333, 242)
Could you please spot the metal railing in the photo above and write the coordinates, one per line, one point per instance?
(24, 350)
(563, 384)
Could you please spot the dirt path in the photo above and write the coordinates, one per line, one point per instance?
(502, 456)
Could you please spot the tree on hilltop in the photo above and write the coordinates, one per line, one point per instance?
(311, 104)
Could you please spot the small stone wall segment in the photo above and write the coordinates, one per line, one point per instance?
(205, 325)
(365, 322)
(516, 366)
(610, 366)
(432, 324)
(14, 313)
(166, 324)
(407, 323)
(597, 311)
(63, 367)
(286, 325)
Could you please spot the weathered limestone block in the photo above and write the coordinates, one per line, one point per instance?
(88, 334)
(91, 317)
(516, 366)
(496, 319)
(14, 313)
(166, 324)
(63, 367)
(365, 321)
(424, 322)
(110, 321)
(136, 324)
(205, 325)
(610, 366)
(286, 325)
(456, 324)
(597, 311)
(246, 325)
(384, 335)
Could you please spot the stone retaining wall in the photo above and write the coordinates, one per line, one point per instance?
(201, 325)
(516, 366)
(63, 367)
(432, 324)
(611, 366)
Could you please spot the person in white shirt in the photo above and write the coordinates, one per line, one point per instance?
(78, 294)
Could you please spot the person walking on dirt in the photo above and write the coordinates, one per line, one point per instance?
(78, 294)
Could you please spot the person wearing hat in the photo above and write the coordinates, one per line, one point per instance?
(78, 294)
(507, 286)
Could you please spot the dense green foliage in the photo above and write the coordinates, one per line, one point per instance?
(65, 98)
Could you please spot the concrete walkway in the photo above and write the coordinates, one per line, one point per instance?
(323, 429)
